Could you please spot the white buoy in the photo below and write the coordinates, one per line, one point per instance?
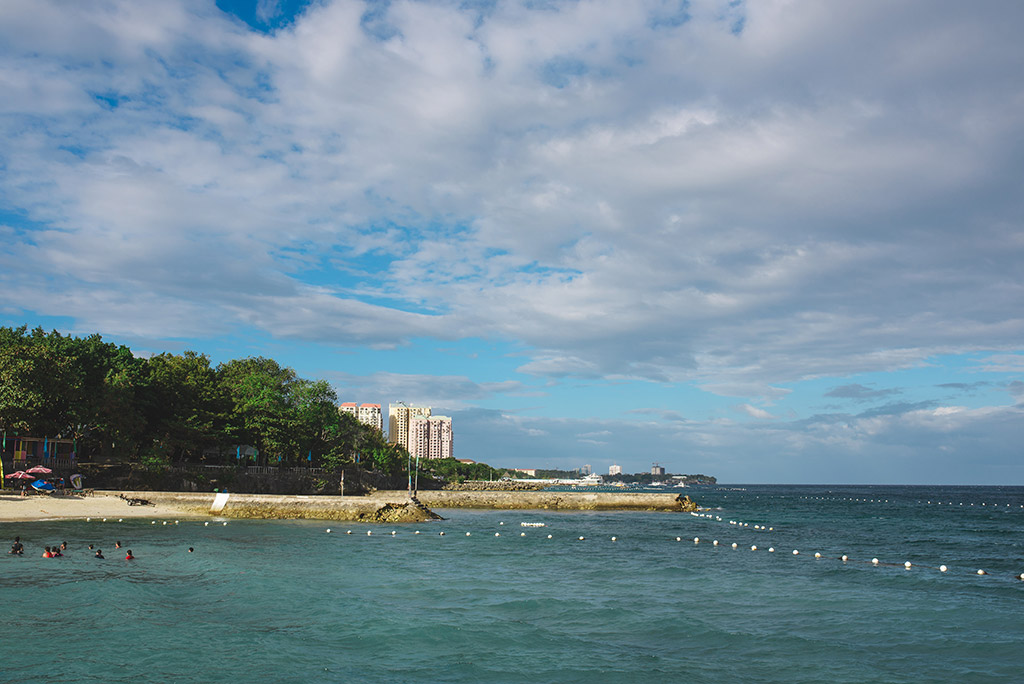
(844, 558)
(497, 534)
(943, 568)
(468, 534)
(982, 572)
(501, 523)
(549, 536)
(206, 524)
(225, 523)
(416, 532)
(615, 538)
(795, 552)
(679, 539)
(369, 533)
(122, 520)
(165, 522)
(152, 523)
(441, 534)
(696, 540)
(88, 519)
(328, 530)
(753, 548)
(522, 534)
(907, 565)
(175, 522)
(105, 520)
(581, 538)
(714, 543)
(874, 561)
(771, 549)
(734, 545)
(771, 529)
(817, 554)
(348, 531)
(1020, 576)
(392, 533)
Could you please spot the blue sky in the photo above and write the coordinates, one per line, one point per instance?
(772, 241)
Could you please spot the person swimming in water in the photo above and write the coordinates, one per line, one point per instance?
(17, 548)
(56, 552)
(99, 553)
(129, 555)
(47, 553)
(117, 545)
(190, 549)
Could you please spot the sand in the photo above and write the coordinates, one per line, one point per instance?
(14, 507)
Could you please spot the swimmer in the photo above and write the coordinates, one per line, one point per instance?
(47, 553)
(99, 553)
(90, 547)
(56, 552)
(63, 546)
(17, 548)
(129, 555)
(117, 545)
(190, 549)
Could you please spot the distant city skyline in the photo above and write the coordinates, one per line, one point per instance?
(770, 242)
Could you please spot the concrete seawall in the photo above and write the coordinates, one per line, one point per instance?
(578, 501)
(395, 506)
(384, 507)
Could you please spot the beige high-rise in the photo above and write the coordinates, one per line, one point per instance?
(399, 416)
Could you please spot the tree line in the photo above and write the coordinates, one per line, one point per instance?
(171, 408)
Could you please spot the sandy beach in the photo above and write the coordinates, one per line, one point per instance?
(14, 507)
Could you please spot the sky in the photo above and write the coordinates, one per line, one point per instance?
(776, 241)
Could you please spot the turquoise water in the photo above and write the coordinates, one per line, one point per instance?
(287, 602)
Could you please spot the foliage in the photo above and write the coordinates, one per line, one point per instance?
(176, 407)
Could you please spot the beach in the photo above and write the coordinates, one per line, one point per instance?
(16, 508)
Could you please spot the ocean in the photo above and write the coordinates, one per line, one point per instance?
(493, 601)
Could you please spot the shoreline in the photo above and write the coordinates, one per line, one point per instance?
(379, 507)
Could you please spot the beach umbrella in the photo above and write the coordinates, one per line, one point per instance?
(39, 470)
(20, 475)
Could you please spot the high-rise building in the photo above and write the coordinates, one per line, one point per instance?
(367, 414)
(399, 416)
(657, 469)
(370, 414)
(430, 437)
(614, 469)
(440, 437)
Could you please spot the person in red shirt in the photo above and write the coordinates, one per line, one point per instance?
(47, 554)
(129, 556)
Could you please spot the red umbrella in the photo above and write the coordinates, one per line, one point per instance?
(20, 475)
(40, 470)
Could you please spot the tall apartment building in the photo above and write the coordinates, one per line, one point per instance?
(367, 414)
(399, 416)
(430, 437)
(614, 469)
(440, 437)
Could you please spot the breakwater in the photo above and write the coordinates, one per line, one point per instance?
(576, 501)
(383, 507)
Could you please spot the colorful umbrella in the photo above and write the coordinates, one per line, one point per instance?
(39, 470)
(20, 475)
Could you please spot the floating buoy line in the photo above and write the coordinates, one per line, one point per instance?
(715, 543)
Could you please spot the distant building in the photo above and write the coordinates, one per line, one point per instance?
(532, 472)
(399, 416)
(440, 437)
(370, 414)
(657, 469)
(367, 414)
(586, 470)
(614, 470)
(430, 437)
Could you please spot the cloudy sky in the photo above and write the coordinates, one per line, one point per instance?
(773, 241)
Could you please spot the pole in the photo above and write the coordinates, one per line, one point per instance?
(408, 467)
(417, 490)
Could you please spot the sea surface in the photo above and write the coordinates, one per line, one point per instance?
(286, 601)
